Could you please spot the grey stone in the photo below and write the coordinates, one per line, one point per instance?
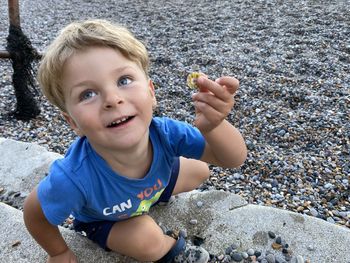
(237, 257)
(250, 252)
(245, 255)
(313, 211)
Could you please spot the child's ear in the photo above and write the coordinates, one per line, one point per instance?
(151, 89)
(72, 123)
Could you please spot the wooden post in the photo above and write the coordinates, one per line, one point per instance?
(14, 13)
(13, 8)
(22, 55)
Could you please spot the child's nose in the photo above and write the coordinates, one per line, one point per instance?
(112, 99)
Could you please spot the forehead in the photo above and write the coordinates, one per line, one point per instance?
(95, 55)
(94, 61)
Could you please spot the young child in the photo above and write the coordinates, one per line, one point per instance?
(125, 160)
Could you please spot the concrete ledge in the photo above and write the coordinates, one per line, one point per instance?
(17, 246)
(23, 164)
(221, 219)
(224, 219)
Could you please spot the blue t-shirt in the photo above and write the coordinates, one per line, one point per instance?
(84, 185)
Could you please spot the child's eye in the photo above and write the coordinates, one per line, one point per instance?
(87, 95)
(124, 81)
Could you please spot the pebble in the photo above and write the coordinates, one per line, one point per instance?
(288, 257)
(250, 252)
(221, 257)
(237, 257)
(279, 240)
(310, 248)
(232, 248)
(199, 204)
(313, 211)
(285, 251)
(228, 250)
(193, 221)
(276, 246)
(183, 232)
(245, 255)
(257, 253)
(271, 234)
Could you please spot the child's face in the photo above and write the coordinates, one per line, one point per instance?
(108, 98)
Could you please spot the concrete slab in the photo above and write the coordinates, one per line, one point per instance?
(23, 165)
(220, 218)
(224, 219)
(17, 246)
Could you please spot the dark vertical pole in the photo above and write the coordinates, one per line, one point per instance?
(22, 55)
(14, 13)
(13, 8)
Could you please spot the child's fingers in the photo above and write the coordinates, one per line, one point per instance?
(211, 100)
(230, 83)
(211, 114)
(215, 88)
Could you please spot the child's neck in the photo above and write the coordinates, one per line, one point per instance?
(133, 164)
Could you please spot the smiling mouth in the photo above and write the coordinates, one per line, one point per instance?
(120, 122)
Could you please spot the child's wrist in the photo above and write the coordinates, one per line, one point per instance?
(62, 251)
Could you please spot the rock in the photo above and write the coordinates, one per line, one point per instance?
(279, 240)
(271, 234)
(237, 257)
(250, 252)
(193, 221)
(276, 246)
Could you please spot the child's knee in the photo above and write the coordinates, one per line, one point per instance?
(150, 245)
(203, 171)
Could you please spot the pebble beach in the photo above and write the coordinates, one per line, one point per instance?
(292, 59)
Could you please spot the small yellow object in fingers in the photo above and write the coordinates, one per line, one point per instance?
(192, 79)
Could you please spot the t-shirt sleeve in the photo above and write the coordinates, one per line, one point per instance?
(184, 139)
(58, 195)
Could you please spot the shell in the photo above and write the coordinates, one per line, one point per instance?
(192, 79)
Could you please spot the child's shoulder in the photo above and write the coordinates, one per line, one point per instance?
(76, 154)
(178, 137)
(172, 128)
(166, 123)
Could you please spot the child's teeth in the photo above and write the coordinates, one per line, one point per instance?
(118, 121)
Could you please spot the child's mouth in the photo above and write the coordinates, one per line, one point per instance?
(119, 122)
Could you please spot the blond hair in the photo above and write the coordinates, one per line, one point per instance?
(79, 36)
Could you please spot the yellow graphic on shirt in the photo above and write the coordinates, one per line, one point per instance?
(145, 205)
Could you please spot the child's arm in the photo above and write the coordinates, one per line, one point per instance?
(224, 144)
(47, 235)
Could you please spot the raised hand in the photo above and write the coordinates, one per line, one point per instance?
(214, 101)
